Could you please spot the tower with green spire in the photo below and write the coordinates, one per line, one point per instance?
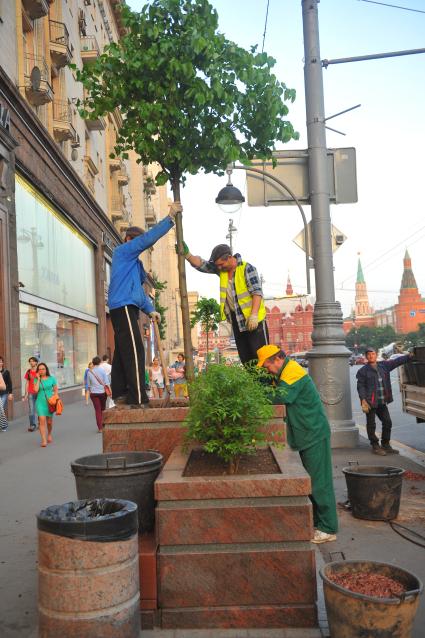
(410, 309)
(362, 307)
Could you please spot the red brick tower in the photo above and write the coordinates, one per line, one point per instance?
(410, 310)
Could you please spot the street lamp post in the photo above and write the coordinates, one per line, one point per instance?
(230, 199)
(328, 359)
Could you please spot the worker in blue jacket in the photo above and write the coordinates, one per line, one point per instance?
(125, 299)
(374, 388)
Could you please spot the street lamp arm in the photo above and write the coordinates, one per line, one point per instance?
(300, 208)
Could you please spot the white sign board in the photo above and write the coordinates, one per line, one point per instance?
(292, 170)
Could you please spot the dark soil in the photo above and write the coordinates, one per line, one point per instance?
(413, 476)
(375, 585)
(204, 464)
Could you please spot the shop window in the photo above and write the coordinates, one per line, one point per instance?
(64, 343)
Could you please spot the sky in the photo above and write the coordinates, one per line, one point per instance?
(387, 131)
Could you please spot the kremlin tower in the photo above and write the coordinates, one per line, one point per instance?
(410, 310)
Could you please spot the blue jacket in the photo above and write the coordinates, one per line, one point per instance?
(367, 380)
(127, 272)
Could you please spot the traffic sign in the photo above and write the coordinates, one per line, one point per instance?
(338, 238)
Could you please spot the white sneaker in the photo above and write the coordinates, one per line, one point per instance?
(322, 537)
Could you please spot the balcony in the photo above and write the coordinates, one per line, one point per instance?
(115, 164)
(89, 49)
(99, 124)
(117, 208)
(59, 44)
(150, 215)
(90, 172)
(37, 80)
(122, 176)
(63, 127)
(36, 8)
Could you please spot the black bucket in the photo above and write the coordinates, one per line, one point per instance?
(409, 373)
(374, 492)
(419, 371)
(123, 475)
(352, 615)
(419, 353)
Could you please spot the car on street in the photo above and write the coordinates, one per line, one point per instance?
(360, 360)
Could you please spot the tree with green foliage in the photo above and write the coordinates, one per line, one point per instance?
(190, 99)
(207, 313)
(227, 412)
(365, 336)
(159, 287)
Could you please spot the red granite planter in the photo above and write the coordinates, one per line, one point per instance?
(234, 551)
(160, 429)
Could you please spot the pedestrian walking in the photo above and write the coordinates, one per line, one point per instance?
(31, 393)
(156, 379)
(99, 388)
(308, 432)
(106, 365)
(126, 298)
(86, 385)
(46, 386)
(241, 298)
(375, 393)
(177, 372)
(3, 419)
(6, 394)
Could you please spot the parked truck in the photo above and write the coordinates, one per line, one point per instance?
(412, 385)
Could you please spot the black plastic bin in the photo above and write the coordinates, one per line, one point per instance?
(122, 475)
(88, 570)
(419, 372)
(419, 353)
(374, 492)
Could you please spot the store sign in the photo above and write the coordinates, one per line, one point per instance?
(4, 117)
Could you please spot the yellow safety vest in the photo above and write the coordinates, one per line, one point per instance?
(243, 295)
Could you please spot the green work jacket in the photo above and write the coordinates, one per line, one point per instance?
(306, 419)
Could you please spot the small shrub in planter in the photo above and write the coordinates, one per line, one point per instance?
(228, 408)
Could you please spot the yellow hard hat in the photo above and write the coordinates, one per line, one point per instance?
(265, 353)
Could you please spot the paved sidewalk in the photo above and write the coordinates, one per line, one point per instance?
(32, 478)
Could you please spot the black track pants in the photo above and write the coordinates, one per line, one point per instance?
(128, 365)
(247, 342)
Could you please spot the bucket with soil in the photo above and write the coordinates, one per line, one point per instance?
(370, 599)
(374, 492)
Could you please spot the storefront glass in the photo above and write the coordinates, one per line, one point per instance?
(55, 261)
(65, 344)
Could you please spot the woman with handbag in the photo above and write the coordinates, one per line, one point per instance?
(99, 388)
(47, 397)
(3, 419)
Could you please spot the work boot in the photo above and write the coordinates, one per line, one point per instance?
(377, 449)
(322, 537)
(120, 400)
(388, 449)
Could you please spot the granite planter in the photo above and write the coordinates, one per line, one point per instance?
(235, 551)
(160, 429)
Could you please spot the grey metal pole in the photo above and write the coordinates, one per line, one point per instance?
(328, 359)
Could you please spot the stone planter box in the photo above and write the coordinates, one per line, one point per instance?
(160, 429)
(234, 551)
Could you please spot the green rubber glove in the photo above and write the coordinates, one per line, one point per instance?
(185, 249)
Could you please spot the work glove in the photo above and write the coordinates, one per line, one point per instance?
(365, 406)
(155, 316)
(252, 322)
(175, 208)
(186, 251)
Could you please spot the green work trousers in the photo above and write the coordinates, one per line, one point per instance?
(317, 461)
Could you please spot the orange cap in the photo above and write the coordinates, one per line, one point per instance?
(265, 353)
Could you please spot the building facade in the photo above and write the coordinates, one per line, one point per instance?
(64, 203)
(290, 320)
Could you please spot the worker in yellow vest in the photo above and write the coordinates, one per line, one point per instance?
(241, 298)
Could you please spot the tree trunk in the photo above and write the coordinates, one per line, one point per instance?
(184, 302)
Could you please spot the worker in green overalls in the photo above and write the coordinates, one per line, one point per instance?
(308, 432)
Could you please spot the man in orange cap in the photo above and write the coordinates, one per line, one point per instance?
(308, 432)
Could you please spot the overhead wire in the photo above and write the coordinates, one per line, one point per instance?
(265, 25)
(393, 6)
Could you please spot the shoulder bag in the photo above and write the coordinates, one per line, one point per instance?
(107, 389)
